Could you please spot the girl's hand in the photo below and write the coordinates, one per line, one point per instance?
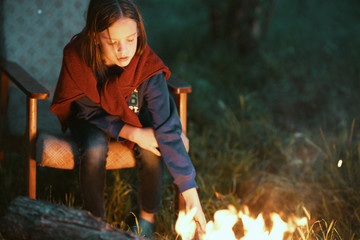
(144, 137)
(192, 200)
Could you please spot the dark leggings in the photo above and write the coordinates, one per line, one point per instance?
(93, 147)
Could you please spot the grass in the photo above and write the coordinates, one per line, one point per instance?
(267, 129)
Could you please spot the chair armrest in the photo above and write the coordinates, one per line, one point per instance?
(180, 88)
(33, 91)
(177, 85)
(27, 84)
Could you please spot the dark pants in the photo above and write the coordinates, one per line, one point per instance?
(93, 146)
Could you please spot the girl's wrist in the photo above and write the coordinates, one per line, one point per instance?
(129, 132)
(190, 195)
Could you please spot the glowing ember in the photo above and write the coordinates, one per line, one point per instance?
(340, 163)
(224, 221)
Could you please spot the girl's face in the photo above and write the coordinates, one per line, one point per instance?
(119, 42)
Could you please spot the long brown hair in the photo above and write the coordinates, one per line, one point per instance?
(101, 15)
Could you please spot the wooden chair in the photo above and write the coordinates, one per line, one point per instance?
(55, 149)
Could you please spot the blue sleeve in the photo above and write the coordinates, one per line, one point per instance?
(167, 127)
(87, 110)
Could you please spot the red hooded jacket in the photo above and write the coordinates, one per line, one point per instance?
(77, 80)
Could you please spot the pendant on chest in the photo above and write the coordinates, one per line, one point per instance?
(133, 101)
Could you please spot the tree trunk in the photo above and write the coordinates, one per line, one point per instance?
(27, 218)
(243, 23)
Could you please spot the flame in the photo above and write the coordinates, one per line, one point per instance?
(185, 224)
(224, 220)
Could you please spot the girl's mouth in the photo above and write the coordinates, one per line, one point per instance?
(123, 59)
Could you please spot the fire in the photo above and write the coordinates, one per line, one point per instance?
(224, 221)
(185, 224)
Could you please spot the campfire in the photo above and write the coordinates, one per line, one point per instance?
(230, 224)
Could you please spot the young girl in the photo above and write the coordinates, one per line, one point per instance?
(113, 86)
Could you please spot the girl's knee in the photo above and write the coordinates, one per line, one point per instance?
(147, 159)
(94, 155)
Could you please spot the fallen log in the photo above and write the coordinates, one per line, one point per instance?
(26, 218)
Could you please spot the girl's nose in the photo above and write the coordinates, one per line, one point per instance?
(121, 47)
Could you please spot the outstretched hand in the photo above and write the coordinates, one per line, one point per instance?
(191, 198)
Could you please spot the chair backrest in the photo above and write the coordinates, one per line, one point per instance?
(35, 32)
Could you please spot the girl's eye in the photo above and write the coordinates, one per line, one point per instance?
(131, 39)
(112, 43)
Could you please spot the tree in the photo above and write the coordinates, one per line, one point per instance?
(242, 23)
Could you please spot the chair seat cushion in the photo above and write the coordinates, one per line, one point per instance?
(60, 151)
(53, 148)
